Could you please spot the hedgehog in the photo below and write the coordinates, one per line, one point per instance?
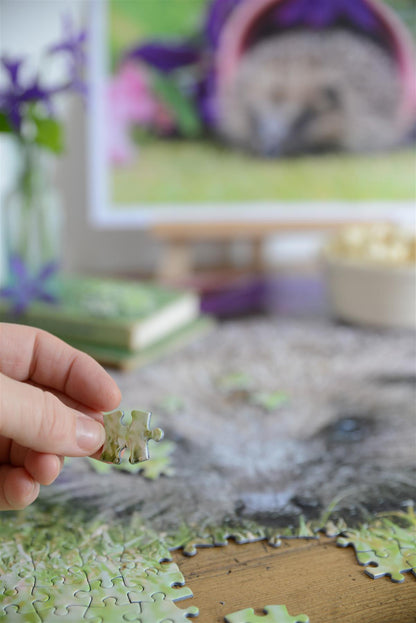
(309, 92)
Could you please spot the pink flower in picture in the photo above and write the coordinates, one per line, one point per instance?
(130, 101)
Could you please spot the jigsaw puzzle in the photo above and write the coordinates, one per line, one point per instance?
(190, 539)
(273, 614)
(133, 435)
(79, 569)
(95, 547)
(385, 548)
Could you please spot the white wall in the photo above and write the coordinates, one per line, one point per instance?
(26, 27)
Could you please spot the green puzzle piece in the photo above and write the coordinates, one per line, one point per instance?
(162, 610)
(160, 463)
(385, 549)
(273, 614)
(134, 436)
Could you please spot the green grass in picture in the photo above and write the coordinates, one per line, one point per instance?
(133, 21)
(195, 172)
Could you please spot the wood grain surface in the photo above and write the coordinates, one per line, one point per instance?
(314, 577)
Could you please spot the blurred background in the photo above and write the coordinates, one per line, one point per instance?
(209, 144)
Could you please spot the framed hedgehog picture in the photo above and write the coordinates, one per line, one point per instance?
(234, 108)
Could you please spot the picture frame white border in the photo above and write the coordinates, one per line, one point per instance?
(102, 214)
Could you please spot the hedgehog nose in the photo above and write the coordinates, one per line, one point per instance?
(269, 132)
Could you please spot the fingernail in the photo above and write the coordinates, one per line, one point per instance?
(90, 434)
(31, 489)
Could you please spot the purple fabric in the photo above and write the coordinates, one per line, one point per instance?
(244, 296)
(25, 288)
(206, 98)
(283, 294)
(216, 17)
(323, 13)
(165, 56)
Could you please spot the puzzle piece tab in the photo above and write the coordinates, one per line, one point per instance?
(171, 583)
(273, 614)
(109, 612)
(134, 436)
(161, 610)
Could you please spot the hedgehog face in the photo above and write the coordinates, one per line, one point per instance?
(308, 92)
(297, 117)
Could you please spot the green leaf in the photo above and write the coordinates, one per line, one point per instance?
(270, 400)
(183, 109)
(5, 125)
(49, 134)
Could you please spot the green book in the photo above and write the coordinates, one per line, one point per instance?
(127, 360)
(109, 312)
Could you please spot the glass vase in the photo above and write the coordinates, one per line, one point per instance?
(32, 220)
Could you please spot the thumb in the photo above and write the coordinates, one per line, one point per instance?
(37, 419)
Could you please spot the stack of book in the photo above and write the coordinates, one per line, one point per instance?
(120, 323)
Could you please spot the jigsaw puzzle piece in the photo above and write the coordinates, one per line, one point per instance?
(15, 589)
(15, 614)
(134, 436)
(115, 437)
(161, 609)
(97, 594)
(220, 535)
(110, 612)
(405, 538)
(365, 541)
(140, 434)
(381, 552)
(103, 570)
(170, 583)
(273, 614)
(393, 565)
(58, 615)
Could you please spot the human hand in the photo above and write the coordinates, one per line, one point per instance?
(51, 398)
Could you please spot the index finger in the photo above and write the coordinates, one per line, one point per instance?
(30, 354)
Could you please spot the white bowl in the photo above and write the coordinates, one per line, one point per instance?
(371, 294)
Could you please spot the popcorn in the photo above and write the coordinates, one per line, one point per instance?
(380, 243)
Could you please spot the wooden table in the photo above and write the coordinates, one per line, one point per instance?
(178, 238)
(313, 577)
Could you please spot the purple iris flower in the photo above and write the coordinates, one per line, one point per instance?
(165, 56)
(72, 44)
(16, 95)
(322, 13)
(25, 288)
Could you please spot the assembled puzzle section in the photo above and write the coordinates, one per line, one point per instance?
(131, 432)
(385, 548)
(76, 570)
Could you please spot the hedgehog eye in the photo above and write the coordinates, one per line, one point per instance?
(331, 95)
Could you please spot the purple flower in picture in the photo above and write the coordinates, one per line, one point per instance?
(26, 288)
(16, 95)
(165, 56)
